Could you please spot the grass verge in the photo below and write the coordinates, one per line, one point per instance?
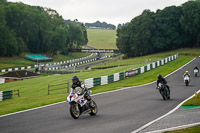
(193, 102)
(195, 129)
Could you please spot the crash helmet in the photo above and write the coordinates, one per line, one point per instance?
(186, 72)
(75, 79)
(159, 76)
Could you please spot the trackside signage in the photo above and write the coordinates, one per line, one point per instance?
(131, 73)
(96, 50)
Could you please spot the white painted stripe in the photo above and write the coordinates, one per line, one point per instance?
(158, 63)
(175, 128)
(142, 70)
(92, 95)
(10, 69)
(1, 95)
(153, 65)
(29, 67)
(22, 68)
(166, 60)
(89, 83)
(104, 80)
(170, 58)
(162, 62)
(16, 69)
(148, 67)
(116, 76)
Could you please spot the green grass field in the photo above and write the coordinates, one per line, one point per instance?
(102, 39)
(33, 92)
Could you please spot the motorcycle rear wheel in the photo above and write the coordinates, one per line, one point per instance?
(94, 108)
(186, 82)
(74, 113)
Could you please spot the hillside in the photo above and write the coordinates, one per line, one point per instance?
(102, 39)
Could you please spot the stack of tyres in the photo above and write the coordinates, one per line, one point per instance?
(5, 95)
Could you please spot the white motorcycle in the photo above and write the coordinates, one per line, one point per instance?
(196, 71)
(186, 80)
(79, 104)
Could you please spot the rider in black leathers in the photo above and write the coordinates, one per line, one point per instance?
(77, 83)
(196, 68)
(163, 81)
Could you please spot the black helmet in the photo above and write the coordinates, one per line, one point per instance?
(159, 76)
(75, 79)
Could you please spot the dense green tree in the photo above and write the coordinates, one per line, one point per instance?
(36, 29)
(99, 24)
(168, 34)
(190, 20)
(167, 29)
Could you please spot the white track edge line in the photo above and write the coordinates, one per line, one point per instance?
(92, 95)
(148, 124)
(175, 128)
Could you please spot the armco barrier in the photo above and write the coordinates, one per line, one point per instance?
(92, 82)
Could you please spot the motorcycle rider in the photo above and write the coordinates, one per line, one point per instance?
(186, 73)
(163, 81)
(77, 83)
(196, 68)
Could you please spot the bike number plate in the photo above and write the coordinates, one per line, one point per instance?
(82, 101)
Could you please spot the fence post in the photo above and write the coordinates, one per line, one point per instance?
(48, 88)
(18, 92)
(68, 87)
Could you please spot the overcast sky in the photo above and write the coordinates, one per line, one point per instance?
(109, 11)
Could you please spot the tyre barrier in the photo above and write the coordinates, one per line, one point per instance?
(5, 95)
(92, 82)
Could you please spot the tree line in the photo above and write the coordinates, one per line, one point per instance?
(102, 25)
(168, 29)
(25, 28)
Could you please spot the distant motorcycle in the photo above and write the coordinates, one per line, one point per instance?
(196, 71)
(186, 80)
(164, 91)
(79, 104)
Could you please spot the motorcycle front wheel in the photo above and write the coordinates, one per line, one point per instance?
(163, 95)
(74, 112)
(93, 108)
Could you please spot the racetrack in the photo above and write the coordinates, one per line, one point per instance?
(118, 112)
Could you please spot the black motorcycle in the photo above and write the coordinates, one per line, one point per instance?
(164, 91)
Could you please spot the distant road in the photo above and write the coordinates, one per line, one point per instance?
(119, 112)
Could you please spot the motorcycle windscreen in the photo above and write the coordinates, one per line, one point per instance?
(78, 90)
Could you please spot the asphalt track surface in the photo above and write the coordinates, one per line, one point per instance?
(118, 112)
